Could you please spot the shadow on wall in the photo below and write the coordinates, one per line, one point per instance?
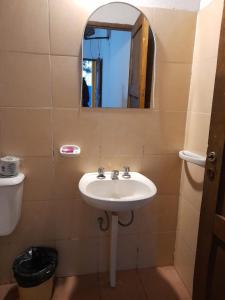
(196, 185)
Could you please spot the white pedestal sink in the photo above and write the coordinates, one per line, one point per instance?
(116, 196)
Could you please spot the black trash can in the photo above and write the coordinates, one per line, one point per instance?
(34, 271)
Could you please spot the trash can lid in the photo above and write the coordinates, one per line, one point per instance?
(35, 266)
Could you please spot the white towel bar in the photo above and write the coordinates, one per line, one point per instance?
(192, 157)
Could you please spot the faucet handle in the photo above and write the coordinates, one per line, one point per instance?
(126, 173)
(101, 173)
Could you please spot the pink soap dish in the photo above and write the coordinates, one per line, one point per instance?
(70, 150)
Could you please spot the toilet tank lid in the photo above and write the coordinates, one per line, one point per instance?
(6, 181)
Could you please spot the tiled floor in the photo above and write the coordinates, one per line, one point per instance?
(146, 284)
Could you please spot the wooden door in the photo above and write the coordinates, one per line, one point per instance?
(209, 278)
(138, 63)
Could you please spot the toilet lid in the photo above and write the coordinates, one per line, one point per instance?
(7, 181)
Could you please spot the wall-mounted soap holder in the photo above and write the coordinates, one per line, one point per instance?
(70, 150)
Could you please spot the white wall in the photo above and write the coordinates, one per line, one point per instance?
(205, 3)
(188, 5)
(116, 57)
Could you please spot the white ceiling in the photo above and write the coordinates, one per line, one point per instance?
(192, 5)
(189, 5)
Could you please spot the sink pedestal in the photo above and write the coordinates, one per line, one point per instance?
(113, 249)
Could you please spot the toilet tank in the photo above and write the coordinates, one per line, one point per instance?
(11, 193)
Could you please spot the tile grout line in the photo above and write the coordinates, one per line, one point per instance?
(51, 89)
(142, 284)
(99, 286)
(51, 109)
(37, 53)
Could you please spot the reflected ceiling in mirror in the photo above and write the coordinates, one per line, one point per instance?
(118, 58)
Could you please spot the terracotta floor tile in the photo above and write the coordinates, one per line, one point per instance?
(160, 283)
(8, 292)
(128, 287)
(83, 287)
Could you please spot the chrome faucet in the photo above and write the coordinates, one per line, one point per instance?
(115, 174)
(126, 173)
(101, 173)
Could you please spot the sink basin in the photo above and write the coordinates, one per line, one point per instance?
(117, 195)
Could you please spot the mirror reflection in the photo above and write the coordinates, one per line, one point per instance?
(118, 58)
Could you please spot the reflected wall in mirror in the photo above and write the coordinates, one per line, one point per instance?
(118, 58)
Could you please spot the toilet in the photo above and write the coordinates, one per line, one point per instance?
(11, 193)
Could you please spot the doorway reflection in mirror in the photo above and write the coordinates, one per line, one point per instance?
(118, 58)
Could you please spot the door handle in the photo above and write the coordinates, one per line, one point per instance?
(211, 156)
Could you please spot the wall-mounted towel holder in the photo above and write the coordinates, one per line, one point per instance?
(192, 157)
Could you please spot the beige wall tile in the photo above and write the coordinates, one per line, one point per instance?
(39, 174)
(188, 223)
(198, 132)
(25, 80)
(68, 172)
(67, 22)
(156, 250)
(24, 26)
(31, 228)
(59, 221)
(43, 221)
(66, 81)
(132, 229)
(77, 256)
(175, 31)
(184, 262)
(118, 162)
(165, 134)
(164, 171)
(67, 176)
(104, 252)
(121, 134)
(127, 252)
(208, 31)
(26, 132)
(84, 221)
(5, 263)
(159, 216)
(172, 86)
(72, 127)
(202, 85)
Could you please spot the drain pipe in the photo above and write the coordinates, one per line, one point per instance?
(105, 227)
(129, 223)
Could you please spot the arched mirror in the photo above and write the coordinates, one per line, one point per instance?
(118, 58)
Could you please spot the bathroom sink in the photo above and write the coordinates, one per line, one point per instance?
(117, 195)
